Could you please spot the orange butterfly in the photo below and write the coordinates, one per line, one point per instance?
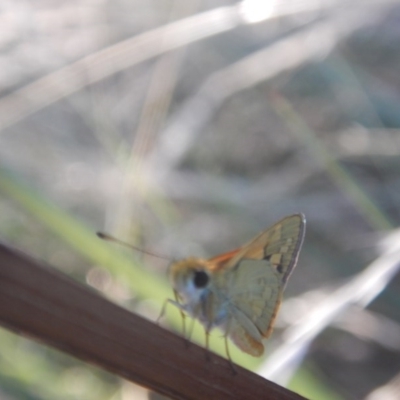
(241, 291)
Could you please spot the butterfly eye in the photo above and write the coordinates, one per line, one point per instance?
(200, 279)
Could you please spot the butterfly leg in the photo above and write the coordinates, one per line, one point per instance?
(190, 331)
(181, 309)
(227, 350)
(207, 350)
(178, 305)
(183, 315)
(162, 313)
(232, 366)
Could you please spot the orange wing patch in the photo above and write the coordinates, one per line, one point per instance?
(218, 262)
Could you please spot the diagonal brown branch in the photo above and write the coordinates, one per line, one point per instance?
(40, 302)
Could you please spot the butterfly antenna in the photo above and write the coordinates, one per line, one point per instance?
(109, 238)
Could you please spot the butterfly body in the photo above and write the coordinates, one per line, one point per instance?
(198, 292)
(241, 291)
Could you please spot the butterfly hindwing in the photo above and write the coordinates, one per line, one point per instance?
(254, 296)
(239, 334)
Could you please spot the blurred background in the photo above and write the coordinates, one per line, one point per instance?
(185, 128)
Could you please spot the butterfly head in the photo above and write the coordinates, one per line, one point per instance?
(190, 277)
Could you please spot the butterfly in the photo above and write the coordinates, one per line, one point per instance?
(240, 291)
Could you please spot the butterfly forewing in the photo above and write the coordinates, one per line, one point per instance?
(282, 246)
(279, 244)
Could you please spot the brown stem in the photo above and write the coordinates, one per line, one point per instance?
(38, 301)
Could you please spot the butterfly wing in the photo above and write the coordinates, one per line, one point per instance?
(254, 277)
(254, 296)
(280, 244)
